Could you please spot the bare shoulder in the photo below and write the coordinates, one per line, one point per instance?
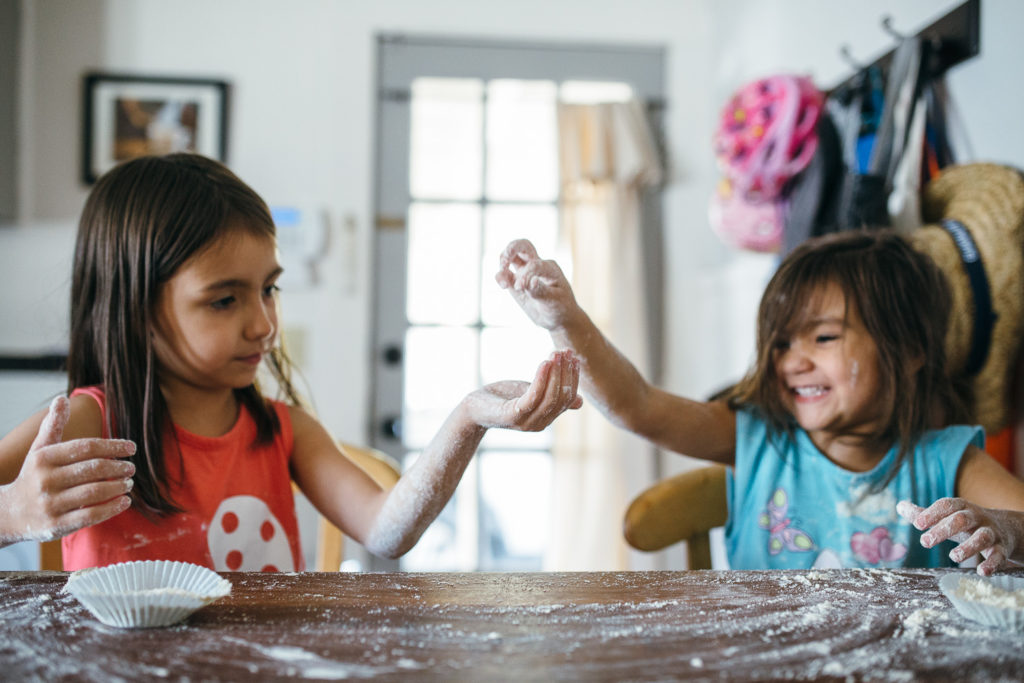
(86, 421)
(306, 429)
(983, 481)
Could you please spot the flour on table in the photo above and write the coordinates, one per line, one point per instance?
(977, 590)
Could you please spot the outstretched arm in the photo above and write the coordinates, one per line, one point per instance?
(607, 378)
(59, 487)
(996, 531)
(389, 523)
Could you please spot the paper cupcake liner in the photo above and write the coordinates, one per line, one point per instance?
(978, 598)
(146, 594)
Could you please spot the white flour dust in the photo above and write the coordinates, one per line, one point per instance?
(978, 590)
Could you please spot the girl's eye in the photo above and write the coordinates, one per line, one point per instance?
(825, 338)
(221, 304)
(271, 290)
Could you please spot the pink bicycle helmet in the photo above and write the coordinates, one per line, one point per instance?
(766, 134)
(745, 224)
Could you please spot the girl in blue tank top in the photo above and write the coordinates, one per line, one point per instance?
(843, 437)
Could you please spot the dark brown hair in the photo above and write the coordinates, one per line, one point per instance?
(141, 222)
(904, 302)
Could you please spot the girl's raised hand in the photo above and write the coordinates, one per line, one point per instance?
(538, 286)
(65, 486)
(995, 534)
(530, 407)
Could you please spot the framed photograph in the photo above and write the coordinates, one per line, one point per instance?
(127, 116)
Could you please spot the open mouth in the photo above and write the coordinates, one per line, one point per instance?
(810, 391)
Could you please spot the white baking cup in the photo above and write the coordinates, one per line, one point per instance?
(146, 594)
(1011, 618)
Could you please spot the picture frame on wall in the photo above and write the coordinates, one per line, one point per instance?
(127, 116)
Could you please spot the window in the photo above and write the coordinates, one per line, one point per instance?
(468, 162)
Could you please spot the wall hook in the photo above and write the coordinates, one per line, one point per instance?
(887, 27)
(844, 52)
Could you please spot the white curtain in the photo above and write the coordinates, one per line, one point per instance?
(607, 156)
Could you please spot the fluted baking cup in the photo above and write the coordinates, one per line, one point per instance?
(146, 594)
(994, 601)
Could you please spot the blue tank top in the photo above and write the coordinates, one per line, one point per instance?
(790, 507)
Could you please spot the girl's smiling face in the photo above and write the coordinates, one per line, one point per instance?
(216, 317)
(828, 372)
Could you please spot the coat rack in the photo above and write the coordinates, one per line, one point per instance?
(953, 38)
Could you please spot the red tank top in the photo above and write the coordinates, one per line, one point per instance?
(239, 509)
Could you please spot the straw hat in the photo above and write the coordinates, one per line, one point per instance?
(975, 233)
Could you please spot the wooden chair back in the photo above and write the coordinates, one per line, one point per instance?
(681, 508)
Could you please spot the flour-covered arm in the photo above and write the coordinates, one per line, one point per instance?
(608, 379)
(422, 492)
(389, 523)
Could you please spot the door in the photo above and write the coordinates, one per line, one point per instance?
(467, 161)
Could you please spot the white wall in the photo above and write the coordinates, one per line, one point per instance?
(301, 133)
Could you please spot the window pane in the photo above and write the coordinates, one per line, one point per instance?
(514, 353)
(502, 224)
(450, 542)
(444, 253)
(440, 369)
(446, 145)
(522, 156)
(592, 92)
(513, 534)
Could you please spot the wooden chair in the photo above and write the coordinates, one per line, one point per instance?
(330, 546)
(681, 508)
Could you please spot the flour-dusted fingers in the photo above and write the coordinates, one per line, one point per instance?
(58, 479)
(995, 559)
(84, 450)
(516, 254)
(946, 519)
(536, 394)
(909, 511)
(559, 393)
(79, 518)
(88, 471)
(93, 493)
(564, 392)
(573, 387)
(52, 428)
(982, 538)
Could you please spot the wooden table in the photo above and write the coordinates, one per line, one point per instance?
(831, 625)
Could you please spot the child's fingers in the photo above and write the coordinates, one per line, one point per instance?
(956, 527)
(995, 560)
(52, 428)
(516, 253)
(88, 495)
(908, 510)
(82, 517)
(939, 511)
(88, 471)
(982, 538)
(534, 394)
(569, 382)
(80, 450)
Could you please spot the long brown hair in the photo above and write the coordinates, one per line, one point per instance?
(904, 301)
(141, 222)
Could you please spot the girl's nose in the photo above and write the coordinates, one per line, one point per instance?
(263, 323)
(794, 359)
